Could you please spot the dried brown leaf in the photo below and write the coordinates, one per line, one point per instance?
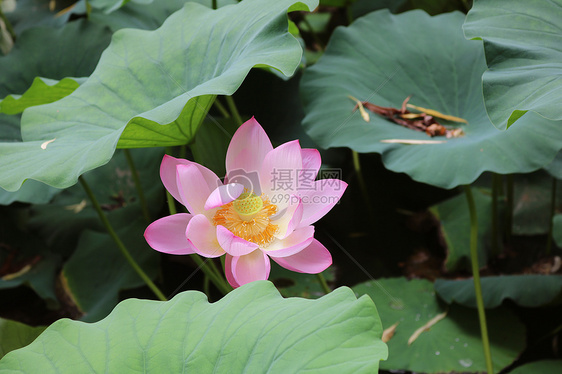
(388, 333)
(437, 114)
(426, 327)
(412, 141)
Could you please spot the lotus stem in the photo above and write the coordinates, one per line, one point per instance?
(552, 212)
(221, 108)
(349, 14)
(214, 269)
(218, 281)
(476, 277)
(171, 203)
(509, 211)
(136, 179)
(496, 186)
(206, 285)
(323, 283)
(214, 4)
(119, 243)
(233, 110)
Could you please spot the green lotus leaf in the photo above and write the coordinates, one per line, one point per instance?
(453, 343)
(42, 91)
(524, 56)
(454, 219)
(151, 88)
(378, 59)
(526, 290)
(252, 329)
(543, 366)
(14, 335)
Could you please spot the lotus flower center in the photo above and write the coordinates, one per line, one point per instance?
(248, 217)
(247, 206)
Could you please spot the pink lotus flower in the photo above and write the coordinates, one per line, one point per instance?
(264, 210)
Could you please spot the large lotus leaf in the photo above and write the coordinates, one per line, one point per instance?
(524, 56)
(452, 344)
(252, 329)
(14, 335)
(525, 290)
(98, 271)
(454, 219)
(543, 366)
(383, 58)
(151, 88)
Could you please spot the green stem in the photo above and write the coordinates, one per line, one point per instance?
(119, 243)
(171, 203)
(552, 212)
(221, 108)
(496, 181)
(136, 179)
(476, 276)
(323, 283)
(206, 285)
(214, 269)
(214, 4)
(219, 282)
(233, 110)
(349, 14)
(313, 33)
(363, 185)
(509, 210)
